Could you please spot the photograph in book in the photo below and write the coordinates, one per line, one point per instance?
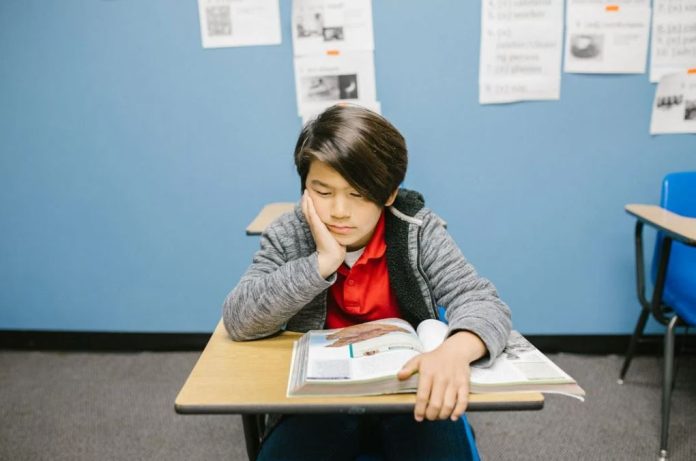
(364, 359)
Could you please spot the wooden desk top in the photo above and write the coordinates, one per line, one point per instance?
(680, 228)
(266, 216)
(251, 377)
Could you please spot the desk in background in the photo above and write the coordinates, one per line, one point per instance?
(678, 228)
(266, 216)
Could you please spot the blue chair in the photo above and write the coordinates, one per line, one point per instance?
(673, 273)
(471, 437)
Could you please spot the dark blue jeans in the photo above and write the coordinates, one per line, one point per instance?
(338, 437)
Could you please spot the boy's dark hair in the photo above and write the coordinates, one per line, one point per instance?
(362, 146)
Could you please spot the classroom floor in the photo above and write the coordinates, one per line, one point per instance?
(103, 406)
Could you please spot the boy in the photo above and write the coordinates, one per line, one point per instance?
(357, 249)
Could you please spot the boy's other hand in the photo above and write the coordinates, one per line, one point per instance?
(331, 254)
(443, 384)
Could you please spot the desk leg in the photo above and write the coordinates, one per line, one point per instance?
(645, 305)
(667, 383)
(635, 339)
(251, 435)
(656, 305)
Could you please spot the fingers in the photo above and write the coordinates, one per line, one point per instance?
(437, 391)
(424, 383)
(448, 402)
(422, 397)
(308, 210)
(316, 226)
(310, 206)
(305, 210)
(448, 399)
(330, 253)
(440, 395)
(462, 403)
(303, 204)
(409, 369)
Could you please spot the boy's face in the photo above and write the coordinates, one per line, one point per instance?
(349, 216)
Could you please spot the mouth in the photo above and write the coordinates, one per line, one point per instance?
(340, 229)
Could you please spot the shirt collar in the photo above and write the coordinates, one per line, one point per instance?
(376, 247)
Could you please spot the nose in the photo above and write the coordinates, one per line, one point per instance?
(339, 208)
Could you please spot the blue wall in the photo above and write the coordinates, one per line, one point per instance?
(131, 160)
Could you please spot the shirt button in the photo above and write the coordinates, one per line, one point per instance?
(351, 282)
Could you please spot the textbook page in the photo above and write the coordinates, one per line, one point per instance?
(674, 106)
(361, 352)
(319, 26)
(521, 45)
(607, 37)
(364, 359)
(432, 333)
(522, 367)
(673, 37)
(239, 22)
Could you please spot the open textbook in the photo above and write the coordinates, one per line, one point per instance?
(364, 360)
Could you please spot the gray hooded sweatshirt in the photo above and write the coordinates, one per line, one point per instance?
(283, 290)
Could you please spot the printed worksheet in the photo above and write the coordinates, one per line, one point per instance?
(521, 45)
(319, 26)
(674, 107)
(673, 37)
(239, 22)
(606, 38)
(332, 78)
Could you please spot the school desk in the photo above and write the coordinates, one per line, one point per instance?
(250, 378)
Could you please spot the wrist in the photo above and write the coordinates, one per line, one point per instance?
(468, 344)
(328, 264)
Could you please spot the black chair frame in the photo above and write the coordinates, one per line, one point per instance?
(664, 315)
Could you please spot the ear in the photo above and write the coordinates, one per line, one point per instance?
(392, 197)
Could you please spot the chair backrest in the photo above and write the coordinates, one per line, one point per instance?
(679, 196)
(679, 193)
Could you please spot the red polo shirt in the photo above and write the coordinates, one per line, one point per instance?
(362, 293)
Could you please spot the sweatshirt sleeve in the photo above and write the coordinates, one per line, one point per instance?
(471, 302)
(273, 289)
